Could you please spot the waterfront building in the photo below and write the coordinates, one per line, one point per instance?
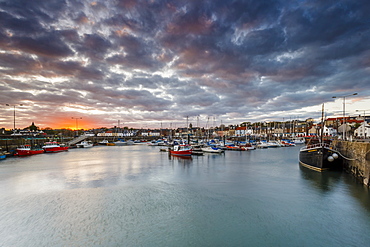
(27, 133)
(110, 134)
(363, 131)
(241, 131)
(330, 131)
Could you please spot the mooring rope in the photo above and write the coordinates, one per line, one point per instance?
(344, 157)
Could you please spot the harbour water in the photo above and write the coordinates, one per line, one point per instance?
(138, 196)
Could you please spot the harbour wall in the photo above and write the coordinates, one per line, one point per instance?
(356, 159)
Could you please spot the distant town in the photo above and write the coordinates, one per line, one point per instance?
(356, 127)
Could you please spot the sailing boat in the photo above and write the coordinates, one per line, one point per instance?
(320, 156)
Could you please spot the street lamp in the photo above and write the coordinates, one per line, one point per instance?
(344, 112)
(14, 112)
(77, 123)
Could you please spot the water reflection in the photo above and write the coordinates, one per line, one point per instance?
(185, 161)
(324, 181)
(180, 157)
(358, 190)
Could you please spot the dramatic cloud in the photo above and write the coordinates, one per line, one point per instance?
(151, 62)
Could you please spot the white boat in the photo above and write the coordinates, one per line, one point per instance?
(273, 144)
(130, 142)
(212, 150)
(299, 140)
(85, 144)
(120, 143)
(249, 146)
(262, 145)
(106, 143)
(157, 143)
(103, 142)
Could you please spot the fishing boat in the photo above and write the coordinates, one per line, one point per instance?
(26, 150)
(85, 144)
(181, 150)
(54, 147)
(320, 156)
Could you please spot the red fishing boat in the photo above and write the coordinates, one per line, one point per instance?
(182, 150)
(26, 150)
(53, 147)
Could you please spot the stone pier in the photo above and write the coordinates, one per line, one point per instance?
(357, 159)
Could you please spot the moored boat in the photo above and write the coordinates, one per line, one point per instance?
(85, 144)
(26, 150)
(2, 154)
(320, 157)
(197, 150)
(182, 150)
(299, 140)
(249, 146)
(106, 143)
(54, 147)
(234, 148)
(212, 150)
(262, 145)
(120, 142)
(287, 143)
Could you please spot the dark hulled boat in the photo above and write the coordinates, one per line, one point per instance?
(320, 157)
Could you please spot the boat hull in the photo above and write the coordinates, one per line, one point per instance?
(25, 152)
(318, 159)
(119, 143)
(212, 150)
(55, 149)
(181, 153)
(84, 146)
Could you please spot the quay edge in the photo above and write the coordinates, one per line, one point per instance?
(356, 159)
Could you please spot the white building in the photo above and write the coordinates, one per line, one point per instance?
(329, 131)
(363, 130)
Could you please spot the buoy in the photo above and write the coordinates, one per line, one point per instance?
(335, 156)
(330, 158)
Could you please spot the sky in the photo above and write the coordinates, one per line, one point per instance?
(169, 63)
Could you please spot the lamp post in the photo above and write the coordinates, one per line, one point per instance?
(344, 112)
(77, 123)
(13, 113)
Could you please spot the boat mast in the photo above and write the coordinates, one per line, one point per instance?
(322, 125)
